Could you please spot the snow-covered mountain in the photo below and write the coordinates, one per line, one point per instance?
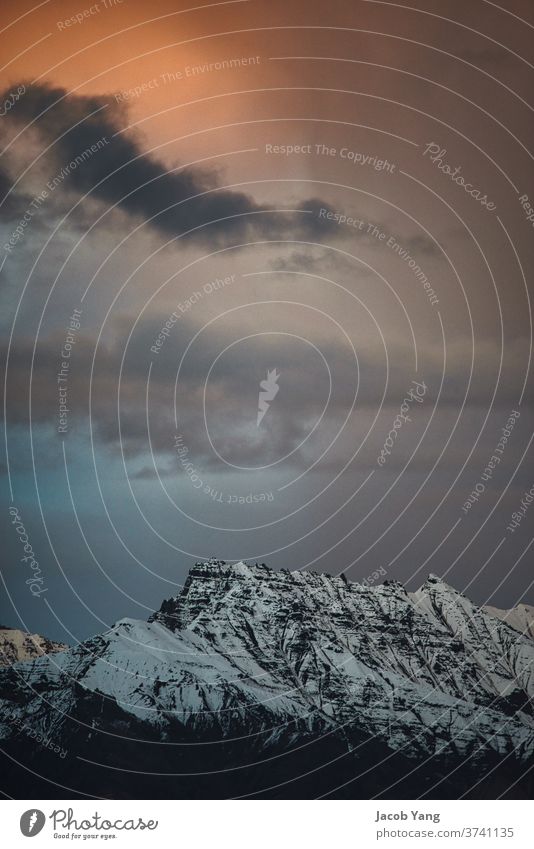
(18, 645)
(521, 618)
(286, 683)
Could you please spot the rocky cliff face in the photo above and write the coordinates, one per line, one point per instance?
(18, 645)
(306, 674)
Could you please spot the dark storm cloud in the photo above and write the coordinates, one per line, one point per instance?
(307, 261)
(422, 245)
(227, 391)
(312, 258)
(12, 203)
(232, 391)
(120, 173)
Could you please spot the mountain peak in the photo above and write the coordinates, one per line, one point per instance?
(436, 582)
(18, 645)
(434, 579)
(213, 566)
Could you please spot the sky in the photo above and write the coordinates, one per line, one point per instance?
(316, 212)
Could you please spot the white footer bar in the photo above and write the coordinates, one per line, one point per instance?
(268, 824)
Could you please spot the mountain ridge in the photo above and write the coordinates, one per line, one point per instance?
(17, 645)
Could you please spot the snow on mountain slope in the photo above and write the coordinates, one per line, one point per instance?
(507, 661)
(521, 618)
(279, 656)
(18, 645)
